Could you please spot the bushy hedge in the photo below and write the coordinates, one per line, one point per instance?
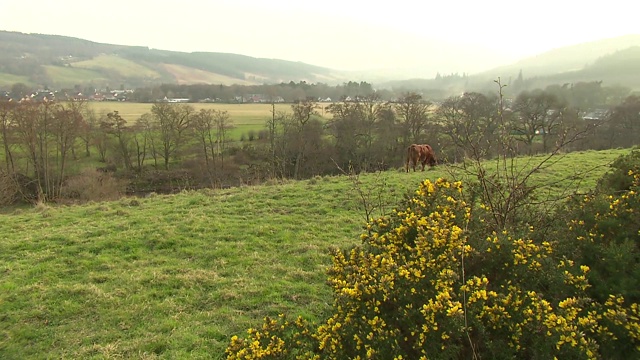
(430, 282)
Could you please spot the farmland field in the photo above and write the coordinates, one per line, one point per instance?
(7, 80)
(176, 276)
(70, 76)
(124, 67)
(244, 117)
(241, 114)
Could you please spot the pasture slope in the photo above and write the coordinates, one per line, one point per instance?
(176, 276)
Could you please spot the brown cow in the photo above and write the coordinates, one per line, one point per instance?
(420, 153)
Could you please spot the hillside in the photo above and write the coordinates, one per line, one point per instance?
(612, 61)
(59, 61)
(64, 62)
(176, 276)
(566, 59)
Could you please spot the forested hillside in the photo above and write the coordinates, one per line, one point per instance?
(58, 61)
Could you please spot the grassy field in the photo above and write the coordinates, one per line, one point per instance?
(241, 114)
(7, 80)
(176, 276)
(69, 77)
(188, 75)
(244, 117)
(122, 66)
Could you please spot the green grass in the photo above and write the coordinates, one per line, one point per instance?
(8, 80)
(240, 114)
(70, 76)
(244, 117)
(124, 67)
(176, 276)
(189, 75)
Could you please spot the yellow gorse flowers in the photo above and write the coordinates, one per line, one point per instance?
(423, 285)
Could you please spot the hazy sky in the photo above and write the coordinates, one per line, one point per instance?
(349, 35)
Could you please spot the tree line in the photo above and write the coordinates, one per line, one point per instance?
(44, 144)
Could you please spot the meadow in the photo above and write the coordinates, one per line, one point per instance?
(244, 117)
(175, 276)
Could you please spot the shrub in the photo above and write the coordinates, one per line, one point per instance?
(93, 185)
(618, 179)
(428, 282)
(9, 190)
(603, 232)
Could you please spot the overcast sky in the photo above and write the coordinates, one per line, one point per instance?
(348, 35)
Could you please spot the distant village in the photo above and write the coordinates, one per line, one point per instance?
(48, 95)
(125, 95)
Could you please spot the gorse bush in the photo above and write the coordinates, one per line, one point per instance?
(604, 234)
(618, 179)
(431, 282)
(603, 231)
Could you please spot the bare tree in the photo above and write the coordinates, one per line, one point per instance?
(353, 126)
(276, 126)
(6, 132)
(624, 122)
(204, 127)
(99, 136)
(172, 121)
(387, 135)
(470, 123)
(89, 128)
(33, 123)
(302, 114)
(67, 120)
(414, 114)
(504, 186)
(536, 112)
(116, 126)
(142, 139)
(222, 124)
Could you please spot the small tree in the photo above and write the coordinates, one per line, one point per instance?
(116, 126)
(276, 126)
(537, 113)
(413, 112)
(7, 124)
(204, 127)
(222, 127)
(142, 138)
(302, 114)
(66, 124)
(172, 122)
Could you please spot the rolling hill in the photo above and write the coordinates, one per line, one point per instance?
(613, 61)
(64, 62)
(566, 59)
(59, 61)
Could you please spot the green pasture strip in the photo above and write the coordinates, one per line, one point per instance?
(557, 176)
(191, 75)
(69, 76)
(8, 80)
(176, 276)
(129, 111)
(239, 114)
(122, 66)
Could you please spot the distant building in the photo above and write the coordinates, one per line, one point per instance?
(595, 115)
(175, 100)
